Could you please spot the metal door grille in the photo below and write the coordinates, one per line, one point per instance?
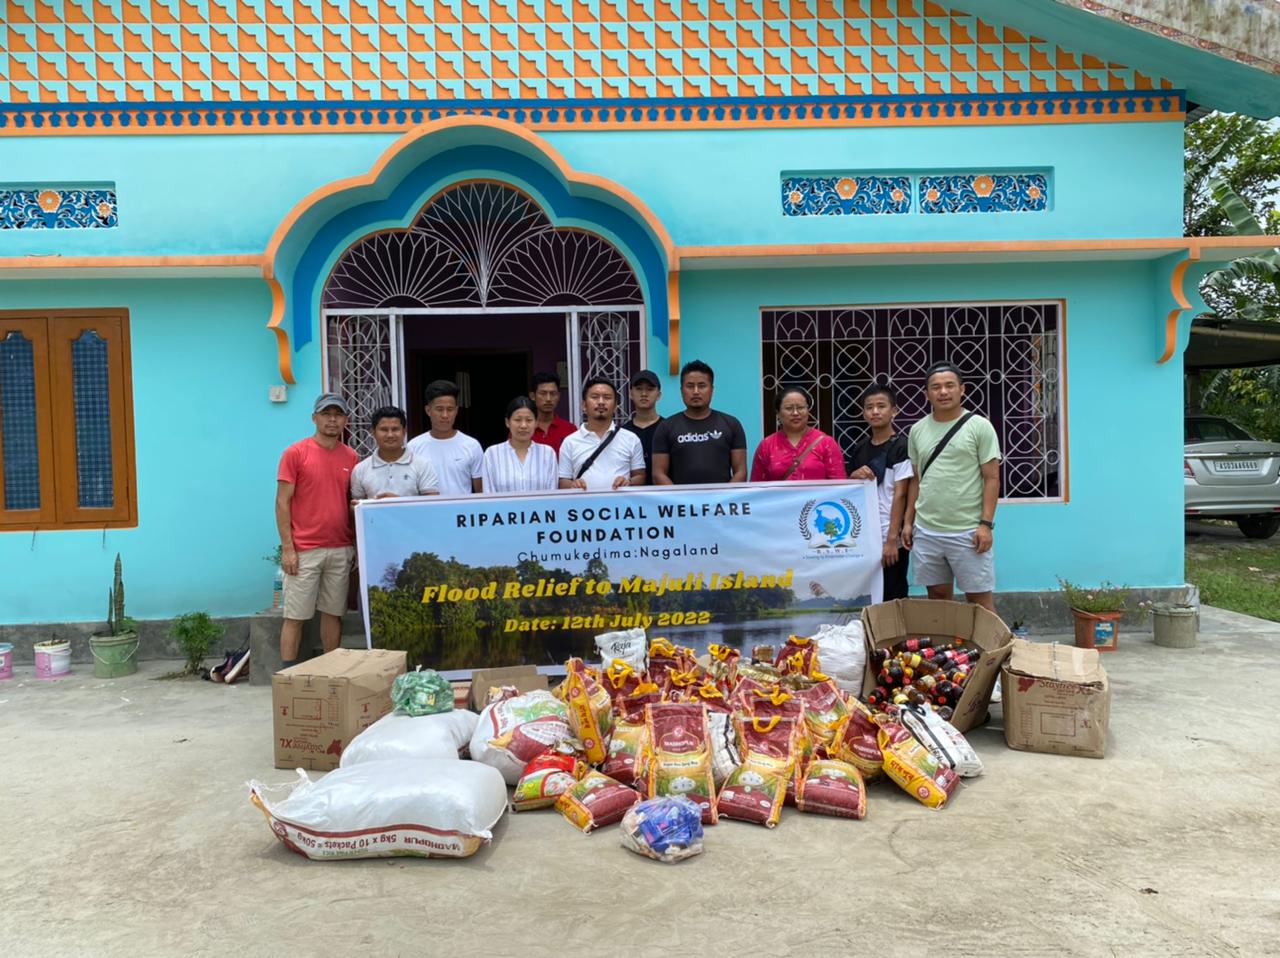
(364, 356)
(481, 243)
(608, 345)
(1009, 355)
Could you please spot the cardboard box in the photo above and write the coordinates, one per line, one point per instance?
(322, 704)
(526, 678)
(1056, 699)
(887, 624)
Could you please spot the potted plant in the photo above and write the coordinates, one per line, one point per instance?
(1019, 629)
(53, 658)
(196, 633)
(1097, 612)
(115, 652)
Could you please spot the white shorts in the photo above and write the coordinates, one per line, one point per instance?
(941, 559)
(321, 583)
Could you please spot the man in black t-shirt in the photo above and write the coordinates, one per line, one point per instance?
(646, 389)
(699, 445)
(882, 457)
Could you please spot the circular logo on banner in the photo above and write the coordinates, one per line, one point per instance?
(830, 524)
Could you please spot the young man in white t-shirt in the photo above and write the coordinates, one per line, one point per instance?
(620, 463)
(882, 457)
(455, 455)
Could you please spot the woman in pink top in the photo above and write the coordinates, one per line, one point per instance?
(797, 450)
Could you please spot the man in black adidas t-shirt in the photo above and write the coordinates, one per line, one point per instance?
(882, 456)
(699, 445)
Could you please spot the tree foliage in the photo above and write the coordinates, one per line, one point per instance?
(1232, 175)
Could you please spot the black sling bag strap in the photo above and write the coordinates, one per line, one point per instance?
(591, 459)
(943, 444)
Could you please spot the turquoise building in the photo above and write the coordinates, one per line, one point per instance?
(212, 210)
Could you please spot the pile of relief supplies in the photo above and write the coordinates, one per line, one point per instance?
(656, 741)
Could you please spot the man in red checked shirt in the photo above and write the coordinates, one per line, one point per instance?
(313, 515)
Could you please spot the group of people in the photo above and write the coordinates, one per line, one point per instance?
(937, 483)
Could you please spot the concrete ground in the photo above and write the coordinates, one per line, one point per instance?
(127, 832)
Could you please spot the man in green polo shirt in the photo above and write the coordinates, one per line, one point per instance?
(951, 501)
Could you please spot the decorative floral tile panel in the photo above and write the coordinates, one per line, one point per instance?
(53, 208)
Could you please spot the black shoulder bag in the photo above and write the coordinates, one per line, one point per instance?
(582, 470)
(943, 443)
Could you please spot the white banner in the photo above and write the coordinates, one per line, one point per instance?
(495, 580)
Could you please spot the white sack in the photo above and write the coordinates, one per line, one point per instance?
(400, 736)
(842, 654)
(431, 808)
(725, 756)
(943, 740)
(629, 645)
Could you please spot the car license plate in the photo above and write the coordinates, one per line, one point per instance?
(1237, 465)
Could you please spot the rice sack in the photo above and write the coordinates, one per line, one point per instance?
(590, 710)
(680, 751)
(832, 787)
(825, 712)
(545, 779)
(428, 808)
(797, 656)
(515, 729)
(913, 768)
(628, 752)
(858, 742)
(723, 667)
(621, 680)
(596, 801)
(755, 790)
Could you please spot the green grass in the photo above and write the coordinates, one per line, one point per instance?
(1240, 576)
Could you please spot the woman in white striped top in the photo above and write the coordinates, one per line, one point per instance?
(519, 464)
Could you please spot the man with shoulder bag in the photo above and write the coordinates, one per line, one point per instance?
(949, 523)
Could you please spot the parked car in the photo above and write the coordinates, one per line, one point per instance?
(1231, 475)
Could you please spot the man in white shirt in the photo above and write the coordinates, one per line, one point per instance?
(618, 456)
(392, 470)
(455, 456)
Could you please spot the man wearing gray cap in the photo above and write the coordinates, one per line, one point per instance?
(646, 390)
(313, 515)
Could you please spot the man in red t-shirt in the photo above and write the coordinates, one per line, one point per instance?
(313, 514)
(550, 429)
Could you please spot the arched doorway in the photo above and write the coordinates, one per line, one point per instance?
(483, 289)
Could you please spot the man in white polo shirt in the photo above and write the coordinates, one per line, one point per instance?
(601, 455)
(392, 470)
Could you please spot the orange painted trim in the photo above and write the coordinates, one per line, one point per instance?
(605, 126)
(633, 202)
(437, 126)
(673, 321)
(248, 260)
(284, 354)
(1194, 244)
(1179, 297)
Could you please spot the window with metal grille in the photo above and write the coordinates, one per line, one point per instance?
(66, 420)
(1010, 355)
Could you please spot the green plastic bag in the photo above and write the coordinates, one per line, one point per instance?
(422, 693)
